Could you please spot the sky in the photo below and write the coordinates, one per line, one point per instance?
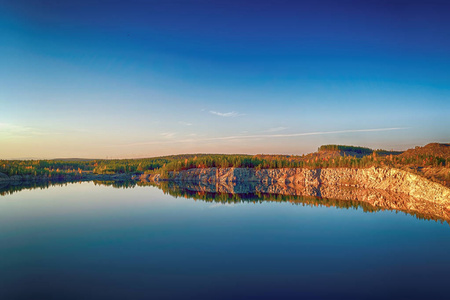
(128, 79)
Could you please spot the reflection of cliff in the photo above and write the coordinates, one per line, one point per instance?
(329, 195)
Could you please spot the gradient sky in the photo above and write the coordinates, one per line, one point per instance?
(120, 79)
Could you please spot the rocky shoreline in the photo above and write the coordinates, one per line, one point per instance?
(385, 179)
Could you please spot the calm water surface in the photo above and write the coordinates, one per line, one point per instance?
(83, 241)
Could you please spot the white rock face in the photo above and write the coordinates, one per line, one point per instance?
(393, 180)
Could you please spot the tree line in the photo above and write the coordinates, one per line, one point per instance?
(165, 164)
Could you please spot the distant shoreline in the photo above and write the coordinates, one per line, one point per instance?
(63, 177)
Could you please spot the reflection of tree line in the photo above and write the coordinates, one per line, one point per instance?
(203, 194)
(8, 188)
(117, 184)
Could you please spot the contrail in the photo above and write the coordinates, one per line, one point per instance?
(256, 136)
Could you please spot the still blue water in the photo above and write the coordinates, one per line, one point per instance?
(83, 241)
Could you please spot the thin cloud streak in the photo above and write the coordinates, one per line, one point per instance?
(231, 114)
(275, 129)
(257, 136)
(311, 133)
(168, 135)
(18, 130)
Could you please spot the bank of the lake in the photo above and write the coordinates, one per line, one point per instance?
(387, 179)
(62, 177)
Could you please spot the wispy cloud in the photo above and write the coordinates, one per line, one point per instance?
(168, 135)
(230, 114)
(306, 133)
(266, 136)
(18, 130)
(184, 123)
(275, 129)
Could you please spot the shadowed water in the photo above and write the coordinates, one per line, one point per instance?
(114, 241)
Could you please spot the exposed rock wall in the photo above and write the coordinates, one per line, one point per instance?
(393, 180)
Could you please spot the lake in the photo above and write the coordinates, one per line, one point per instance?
(94, 241)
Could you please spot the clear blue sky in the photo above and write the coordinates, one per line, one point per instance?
(144, 78)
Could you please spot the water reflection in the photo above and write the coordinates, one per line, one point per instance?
(8, 188)
(369, 200)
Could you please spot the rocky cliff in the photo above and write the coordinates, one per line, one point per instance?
(392, 180)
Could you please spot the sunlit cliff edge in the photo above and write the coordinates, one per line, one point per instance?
(387, 179)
